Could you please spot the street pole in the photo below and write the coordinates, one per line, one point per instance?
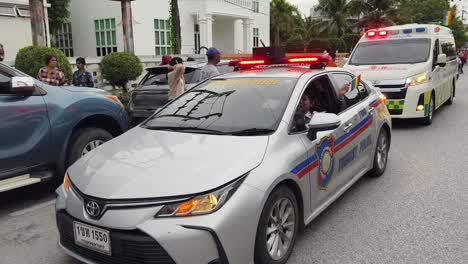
(37, 22)
(127, 24)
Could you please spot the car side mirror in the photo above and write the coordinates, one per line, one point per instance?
(442, 60)
(22, 86)
(322, 122)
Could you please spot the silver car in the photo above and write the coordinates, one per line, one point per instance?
(229, 172)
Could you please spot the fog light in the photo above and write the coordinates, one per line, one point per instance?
(420, 108)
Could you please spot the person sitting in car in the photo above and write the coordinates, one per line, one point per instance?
(303, 114)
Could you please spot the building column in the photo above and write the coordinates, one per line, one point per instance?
(238, 36)
(127, 25)
(248, 35)
(206, 30)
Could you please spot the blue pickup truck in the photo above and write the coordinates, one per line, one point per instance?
(44, 129)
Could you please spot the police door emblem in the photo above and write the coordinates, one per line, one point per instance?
(326, 157)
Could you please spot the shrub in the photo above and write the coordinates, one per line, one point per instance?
(31, 59)
(121, 67)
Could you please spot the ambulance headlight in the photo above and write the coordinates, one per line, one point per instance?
(417, 79)
(202, 204)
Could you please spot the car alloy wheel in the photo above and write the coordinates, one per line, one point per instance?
(382, 151)
(91, 145)
(280, 229)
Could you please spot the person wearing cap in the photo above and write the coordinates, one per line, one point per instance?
(209, 70)
(166, 59)
(176, 78)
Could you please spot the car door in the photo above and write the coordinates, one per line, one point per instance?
(24, 130)
(324, 154)
(437, 74)
(360, 116)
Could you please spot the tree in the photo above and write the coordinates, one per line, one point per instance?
(176, 38)
(58, 13)
(31, 59)
(121, 67)
(374, 13)
(337, 12)
(284, 18)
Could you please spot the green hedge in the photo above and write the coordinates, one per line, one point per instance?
(121, 67)
(31, 59)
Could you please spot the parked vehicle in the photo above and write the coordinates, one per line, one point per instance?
(415, 66)
(228, 172)
(152, 91)
(45, 129)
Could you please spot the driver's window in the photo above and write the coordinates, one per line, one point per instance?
(317, 97)
(4, 83)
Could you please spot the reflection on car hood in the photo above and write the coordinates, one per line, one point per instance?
(84, 89)
(145, 163)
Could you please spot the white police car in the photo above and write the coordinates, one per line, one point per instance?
(228, 172)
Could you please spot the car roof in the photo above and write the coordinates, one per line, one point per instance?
(293, 72)
(188, 64)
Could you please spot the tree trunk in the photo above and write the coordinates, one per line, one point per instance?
(176, 38)
(127, 24)
(36, 8)
(277, 36)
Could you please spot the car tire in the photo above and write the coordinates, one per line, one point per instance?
(452, 95)
(86, 140)
(427, 121)
(275, 233)
(381, 154)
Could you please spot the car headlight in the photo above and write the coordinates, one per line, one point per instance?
(66, 182)
(417, 79)
(202, 204)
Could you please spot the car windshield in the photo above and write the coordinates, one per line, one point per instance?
(228, 106)
(398, 51)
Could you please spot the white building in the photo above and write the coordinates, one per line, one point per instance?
(234, 26)
(14, 18)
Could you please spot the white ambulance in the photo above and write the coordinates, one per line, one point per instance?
(415, 67)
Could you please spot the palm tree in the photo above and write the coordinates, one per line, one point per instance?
(337, 17)
(374, 13)
(306, 31)
(175, 27)
(283, 19)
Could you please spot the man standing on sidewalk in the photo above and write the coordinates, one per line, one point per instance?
(209, 70)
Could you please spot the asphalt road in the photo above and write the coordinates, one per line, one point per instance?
(416, 213)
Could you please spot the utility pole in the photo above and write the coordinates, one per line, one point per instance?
(36, 8)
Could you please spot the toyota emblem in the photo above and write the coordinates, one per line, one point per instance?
(93, 209)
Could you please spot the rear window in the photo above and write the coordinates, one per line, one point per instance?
(159, 77)
(397, 51)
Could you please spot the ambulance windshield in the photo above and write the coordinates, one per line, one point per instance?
(397, 51)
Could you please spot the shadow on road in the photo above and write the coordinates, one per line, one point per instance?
(26, 196)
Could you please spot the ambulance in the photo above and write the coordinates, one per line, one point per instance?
(414, 65)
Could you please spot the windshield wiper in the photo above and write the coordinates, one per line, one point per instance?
(185, 129)
(252, 131)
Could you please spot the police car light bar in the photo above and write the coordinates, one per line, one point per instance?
(252, 62)
(248, 63)
(303, 60)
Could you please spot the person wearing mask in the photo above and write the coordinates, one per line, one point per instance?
(82, 77)
(209, 70)
(176, 78)
(166, 59)
(2, 52)
(51, 74)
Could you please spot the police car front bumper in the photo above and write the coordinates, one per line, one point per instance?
(225, 236)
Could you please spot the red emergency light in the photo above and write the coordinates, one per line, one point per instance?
(252, 62)
(375, 33)
(303, 60)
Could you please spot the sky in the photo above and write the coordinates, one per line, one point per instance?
(304, 5)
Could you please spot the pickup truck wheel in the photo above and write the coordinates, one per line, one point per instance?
(84, 141)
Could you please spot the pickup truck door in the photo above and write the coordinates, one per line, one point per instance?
(24, 130)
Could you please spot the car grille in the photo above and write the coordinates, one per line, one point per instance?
(128, 247)
(396, 112)
(394, 95)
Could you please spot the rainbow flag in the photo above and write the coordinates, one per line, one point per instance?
(448, 18)
(355, 83)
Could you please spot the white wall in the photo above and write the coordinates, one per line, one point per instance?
(262, 21)
(82, 16)
(15, 35)
(144, 14)
(223, 34)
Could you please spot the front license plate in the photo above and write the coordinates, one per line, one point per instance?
(91, 237)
